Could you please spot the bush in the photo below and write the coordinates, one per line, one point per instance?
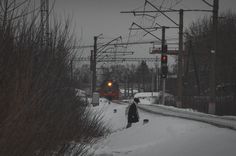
(40, 114)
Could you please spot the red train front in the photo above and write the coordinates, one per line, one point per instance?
(110, 90)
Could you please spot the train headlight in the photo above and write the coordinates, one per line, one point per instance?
(109, 84)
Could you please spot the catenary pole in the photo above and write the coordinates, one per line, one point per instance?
(212, 80)
(180, 61)
(94, 66)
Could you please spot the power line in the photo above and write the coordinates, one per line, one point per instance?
(145, 30)
(119, 44)
(155, 28)
(166, 11)
(207, 3)
(119, 59)
(161, 12)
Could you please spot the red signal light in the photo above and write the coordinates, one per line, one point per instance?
(163, 58)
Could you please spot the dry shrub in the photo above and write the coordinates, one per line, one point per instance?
(40, 114)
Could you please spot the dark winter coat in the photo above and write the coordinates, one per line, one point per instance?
(133, 113)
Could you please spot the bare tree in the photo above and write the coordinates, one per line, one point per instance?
(200, 35)
(40, 113)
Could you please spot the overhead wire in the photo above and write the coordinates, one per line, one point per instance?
(163, 4)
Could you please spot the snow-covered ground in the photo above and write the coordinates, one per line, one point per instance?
(221, 121)
(161, 136)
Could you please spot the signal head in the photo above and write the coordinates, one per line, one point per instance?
(163, 58)
(164, 48)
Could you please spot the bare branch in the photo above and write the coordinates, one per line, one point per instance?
(16, 6)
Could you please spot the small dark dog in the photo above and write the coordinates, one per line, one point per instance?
(145, 121)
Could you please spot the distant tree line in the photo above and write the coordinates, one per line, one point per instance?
(138, 76)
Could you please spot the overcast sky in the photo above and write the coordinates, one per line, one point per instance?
(93, 17)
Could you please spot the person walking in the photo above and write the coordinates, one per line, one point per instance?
(133, 115)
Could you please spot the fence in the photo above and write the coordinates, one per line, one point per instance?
(225, 105)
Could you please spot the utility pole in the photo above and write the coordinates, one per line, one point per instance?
(212, 103)
(180, 61)
(94, 65)
(191, 52)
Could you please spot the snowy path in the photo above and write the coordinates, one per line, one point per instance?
(163, 136)
(220, 121)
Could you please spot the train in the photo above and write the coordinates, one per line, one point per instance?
(109, 89)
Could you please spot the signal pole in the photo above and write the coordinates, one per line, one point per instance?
(163, 44)
(212, 104)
